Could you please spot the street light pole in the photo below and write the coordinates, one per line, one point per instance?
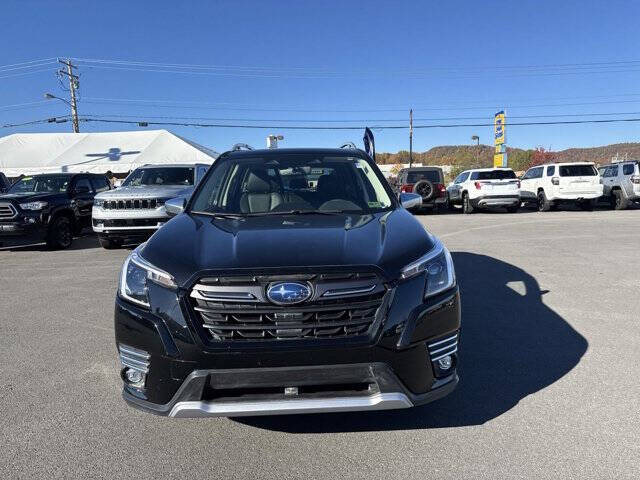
(477, 139)
(410, 138)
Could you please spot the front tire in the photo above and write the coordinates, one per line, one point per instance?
(60, 234)
(466, 204)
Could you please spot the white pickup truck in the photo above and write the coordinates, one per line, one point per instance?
(559, 183)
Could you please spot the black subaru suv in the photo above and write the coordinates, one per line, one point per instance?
(50, 207)
(293, 281)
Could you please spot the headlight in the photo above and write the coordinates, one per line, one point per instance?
(98, 203)
(33, 205)
(438, 266)
(135, 274)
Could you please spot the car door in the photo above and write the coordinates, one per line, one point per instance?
(628, 169)
(455, 189)
(82, 194)
(527, 185)
(610, 178)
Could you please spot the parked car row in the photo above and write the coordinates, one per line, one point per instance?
(56, 207)
(545, 187)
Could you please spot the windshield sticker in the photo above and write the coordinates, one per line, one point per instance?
(374, 204)
(26, 179)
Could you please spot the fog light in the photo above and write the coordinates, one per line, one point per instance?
(445, 363)
(134, 378)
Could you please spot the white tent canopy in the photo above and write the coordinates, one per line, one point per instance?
(118, 152)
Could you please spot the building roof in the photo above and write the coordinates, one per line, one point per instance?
(118, 152)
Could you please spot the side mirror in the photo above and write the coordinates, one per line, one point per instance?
(175, 206)
(410, 200)
(81, 190)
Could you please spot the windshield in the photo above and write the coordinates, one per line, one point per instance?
(578, 171)
(432, 175)
(304, 183)
(493, 175)
(160, 176)
(42, 183)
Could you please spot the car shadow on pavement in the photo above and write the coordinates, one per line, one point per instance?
(80, 242)
(512, 345)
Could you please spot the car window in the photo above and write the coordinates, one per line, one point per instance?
(41, 183)
(493, 175)
(627, 169)
(415, 176)
(462, 178)
(160, 176)
(551, 170)
(292, 183)
(201, 172)
(578, 171)
(82, 182)
(100, 184)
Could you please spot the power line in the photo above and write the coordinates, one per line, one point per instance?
(26, 73)
(221, 106)
(608, 64)
(365, 120)
(60, 119)
(342, 127)
(43, 60)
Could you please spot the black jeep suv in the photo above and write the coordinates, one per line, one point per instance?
(51, 207)
(292, 281)
(428, 182)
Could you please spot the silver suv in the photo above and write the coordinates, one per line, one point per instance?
(134, 211)
(621, 183)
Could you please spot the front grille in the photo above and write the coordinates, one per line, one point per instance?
(7, 211)
(133, 204)
(237, 309)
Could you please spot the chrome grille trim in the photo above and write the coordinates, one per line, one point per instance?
(134, 358)
(7, 211)
(233, 309)
(133, 204)
(443, 347)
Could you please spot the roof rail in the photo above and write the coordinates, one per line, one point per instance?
(241, 146)
(349, 145)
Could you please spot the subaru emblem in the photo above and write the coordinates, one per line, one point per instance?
(288, 293)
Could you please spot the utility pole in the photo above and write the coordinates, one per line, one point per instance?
(410, 137)
(73, 84)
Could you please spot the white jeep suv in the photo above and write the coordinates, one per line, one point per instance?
(621, 183)
(553, 184)
(485, 188)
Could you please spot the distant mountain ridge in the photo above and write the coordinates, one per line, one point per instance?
(483, 155)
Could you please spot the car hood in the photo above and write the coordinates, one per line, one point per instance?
(146, 191)
(191, 245)
(31, 196)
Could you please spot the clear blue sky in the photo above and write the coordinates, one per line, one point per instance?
(336, 60)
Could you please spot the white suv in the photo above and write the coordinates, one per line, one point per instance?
(485, 188)
(550, 185)
(621, 183)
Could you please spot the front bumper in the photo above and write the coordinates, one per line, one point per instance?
(385, 392)
(27, 229)
(187, 379)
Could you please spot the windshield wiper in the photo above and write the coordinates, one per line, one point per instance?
(220, 214)
(298, 212)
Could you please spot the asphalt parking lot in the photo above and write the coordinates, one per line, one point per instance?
(549, 375)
